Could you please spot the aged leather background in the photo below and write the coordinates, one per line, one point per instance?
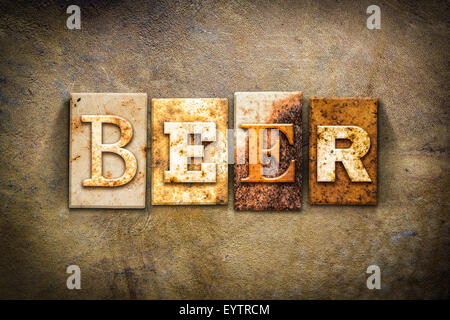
(212, 49)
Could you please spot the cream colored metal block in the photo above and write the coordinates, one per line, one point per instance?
(108, 148)
(189, 151)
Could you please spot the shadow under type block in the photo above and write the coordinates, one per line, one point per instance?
(343, 150)
(268, 150)
(189, 151)
(108, 150)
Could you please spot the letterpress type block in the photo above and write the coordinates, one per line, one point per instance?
(108, 148)
(268, 150)
(189, 151)
(343, 151)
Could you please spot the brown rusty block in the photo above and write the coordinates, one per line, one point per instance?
(189, 151)
(108, 150)
(343, 151)
(267, 169)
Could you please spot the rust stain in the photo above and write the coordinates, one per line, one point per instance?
(144, 150)
(75, 125)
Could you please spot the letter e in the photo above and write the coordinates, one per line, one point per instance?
(374, 281)
(74, 280)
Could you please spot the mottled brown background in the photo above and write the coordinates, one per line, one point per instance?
(212, 49)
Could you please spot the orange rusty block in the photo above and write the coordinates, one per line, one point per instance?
(343, 150)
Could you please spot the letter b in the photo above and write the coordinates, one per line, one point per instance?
(97, 149)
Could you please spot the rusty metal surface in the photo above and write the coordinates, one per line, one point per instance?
(213, 49)
(101, 179)
(173, 120)
(268, 108)
(351, 111)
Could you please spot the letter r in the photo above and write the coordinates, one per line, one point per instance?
(328, 154)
